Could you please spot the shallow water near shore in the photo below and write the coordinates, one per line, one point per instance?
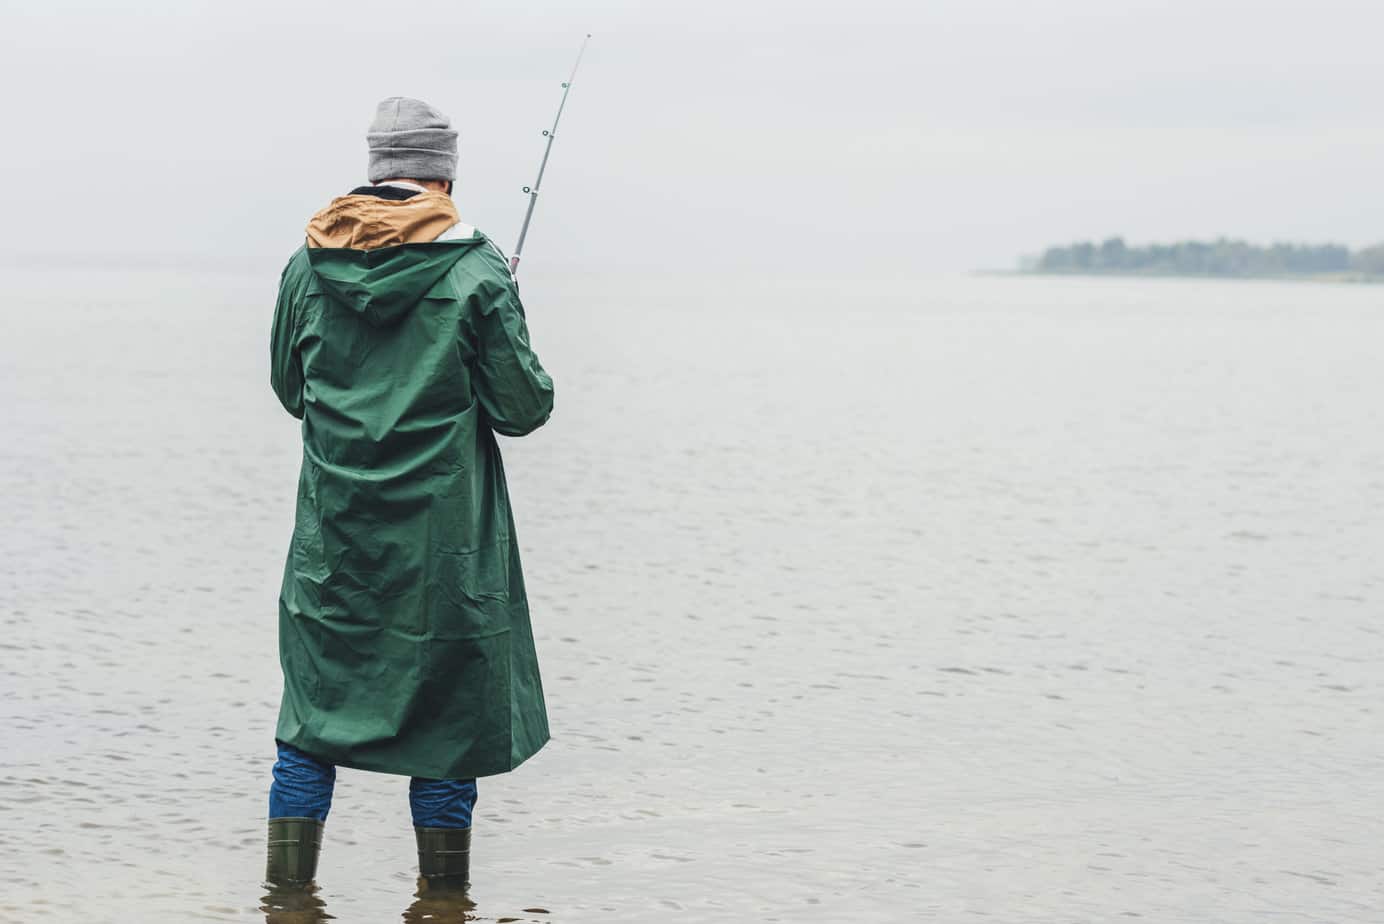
(1041, 600)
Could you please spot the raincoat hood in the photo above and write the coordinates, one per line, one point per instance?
(380, 257)
(384, 285)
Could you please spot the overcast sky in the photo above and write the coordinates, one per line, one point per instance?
(861, 137)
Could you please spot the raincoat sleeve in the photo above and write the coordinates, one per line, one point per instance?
(285, 364)
(513, 390)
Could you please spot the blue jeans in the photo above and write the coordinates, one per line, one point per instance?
(303, 787)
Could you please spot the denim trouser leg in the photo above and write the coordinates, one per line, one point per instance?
(441, 803)
(302, 785)
(303, 788)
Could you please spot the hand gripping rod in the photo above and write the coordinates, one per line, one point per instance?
(548, 149)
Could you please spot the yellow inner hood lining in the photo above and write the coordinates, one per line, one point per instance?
(365, 222)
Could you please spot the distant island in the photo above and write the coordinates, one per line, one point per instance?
(1222, 258)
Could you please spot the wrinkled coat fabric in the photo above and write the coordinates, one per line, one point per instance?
(404, 629)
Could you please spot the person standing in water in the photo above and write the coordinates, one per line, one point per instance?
(400, 342)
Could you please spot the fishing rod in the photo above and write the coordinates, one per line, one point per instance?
(548, 149)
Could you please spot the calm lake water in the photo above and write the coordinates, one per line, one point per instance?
(963, 598)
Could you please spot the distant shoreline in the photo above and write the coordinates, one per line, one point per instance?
(1223, 258)
(1339, 278)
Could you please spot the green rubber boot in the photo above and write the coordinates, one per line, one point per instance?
(444, 854)
(294, 844)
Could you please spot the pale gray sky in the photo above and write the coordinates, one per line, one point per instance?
(859, 137)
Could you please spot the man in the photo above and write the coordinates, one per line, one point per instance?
(404, 635)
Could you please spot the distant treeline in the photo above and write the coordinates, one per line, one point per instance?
(1216, 258)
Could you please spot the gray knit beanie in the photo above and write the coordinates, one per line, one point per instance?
(411, 139)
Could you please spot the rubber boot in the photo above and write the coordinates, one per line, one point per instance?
(444, 854)
(294, 844)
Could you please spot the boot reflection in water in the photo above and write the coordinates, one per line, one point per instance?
(294, 905)
(301, 797)
(440, 901)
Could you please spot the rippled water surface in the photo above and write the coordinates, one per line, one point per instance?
(1027, 600)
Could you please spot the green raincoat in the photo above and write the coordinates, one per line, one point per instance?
(404, 629)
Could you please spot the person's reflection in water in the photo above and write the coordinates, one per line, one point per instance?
(294, 904)
(439, 901)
